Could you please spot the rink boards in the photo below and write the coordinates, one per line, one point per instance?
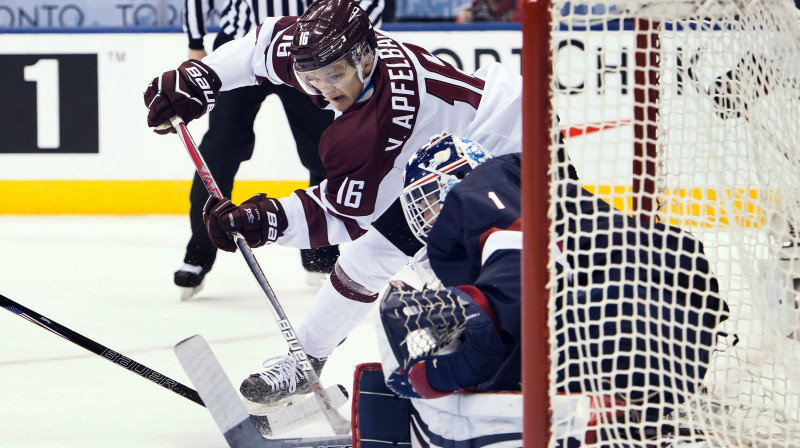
(75, 127)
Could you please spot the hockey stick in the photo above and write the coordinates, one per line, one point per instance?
(225, 406)
(101, 350)
(290, 418)
(339, 424)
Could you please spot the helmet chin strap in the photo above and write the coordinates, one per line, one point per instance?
(365, 81)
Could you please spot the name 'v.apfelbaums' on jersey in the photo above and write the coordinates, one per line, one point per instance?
(389, 98)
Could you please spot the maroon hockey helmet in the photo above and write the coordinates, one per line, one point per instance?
(327, 31)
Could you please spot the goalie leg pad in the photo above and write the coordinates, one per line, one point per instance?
(380, 418)
(464, 420)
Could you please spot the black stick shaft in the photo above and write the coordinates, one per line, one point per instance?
(101, 350)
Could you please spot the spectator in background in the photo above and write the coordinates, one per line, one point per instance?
(491, 11)
(230, 138)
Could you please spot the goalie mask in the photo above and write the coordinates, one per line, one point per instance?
(333, 42)
(431, 173)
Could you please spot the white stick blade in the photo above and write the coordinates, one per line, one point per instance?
(217, 392)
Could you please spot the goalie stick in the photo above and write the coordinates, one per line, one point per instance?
(339, 424)
(289, 418)
(241, 430)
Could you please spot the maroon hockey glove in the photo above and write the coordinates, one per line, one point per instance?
(260, 220)
(188, 92)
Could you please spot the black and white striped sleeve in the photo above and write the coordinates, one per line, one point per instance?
(279, 8)
(195, 15)
(238, 17)
(374, 9)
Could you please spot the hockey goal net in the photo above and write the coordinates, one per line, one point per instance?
(685, 114)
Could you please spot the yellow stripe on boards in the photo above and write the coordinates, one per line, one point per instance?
(699, 207)
(118, 197)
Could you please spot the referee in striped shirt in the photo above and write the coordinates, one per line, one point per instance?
(230, 138)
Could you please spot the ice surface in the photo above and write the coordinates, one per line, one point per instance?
(110, 279)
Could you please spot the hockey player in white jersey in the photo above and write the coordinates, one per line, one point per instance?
(230, 138)
(389, 98)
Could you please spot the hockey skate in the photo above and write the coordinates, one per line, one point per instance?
(282, 383)
(190, 279)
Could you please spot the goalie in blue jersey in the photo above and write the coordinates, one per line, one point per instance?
(626, 283)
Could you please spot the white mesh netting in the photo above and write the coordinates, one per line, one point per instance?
(704, 99)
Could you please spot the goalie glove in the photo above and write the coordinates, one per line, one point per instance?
(189, 92)
(260, 220)
(436, 341)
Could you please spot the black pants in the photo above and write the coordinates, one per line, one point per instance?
(393, 226)
(229, 142)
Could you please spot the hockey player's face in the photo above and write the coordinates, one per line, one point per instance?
(430, 214)
(427, 207)
(337, 82)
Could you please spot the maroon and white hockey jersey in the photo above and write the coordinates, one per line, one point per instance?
(411, 96)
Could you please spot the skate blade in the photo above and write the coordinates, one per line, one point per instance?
(275, 406)
(187, 293)
(337, 394)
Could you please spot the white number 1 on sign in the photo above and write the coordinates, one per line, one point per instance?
(45, 74)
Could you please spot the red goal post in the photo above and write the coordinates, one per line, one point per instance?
(535, 235)
(687, 114)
